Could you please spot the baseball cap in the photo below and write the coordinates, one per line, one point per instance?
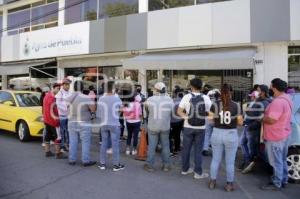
(56, 85)
(66, 81)
(159, 86)
(254, 94)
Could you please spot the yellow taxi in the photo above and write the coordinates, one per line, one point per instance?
(21, 112)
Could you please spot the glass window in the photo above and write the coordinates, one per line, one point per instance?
(112, 8)
(210, 1)
(35, 16)
(165, 4)
(87, 75)
(18, 19)
(45, 14)
(28, 99)
(39, 3)
(80, 10)
(294, 67)
(19, 8)
(5, 97)
(91, 78)
(131, 75)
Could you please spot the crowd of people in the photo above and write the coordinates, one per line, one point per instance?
(204, 117)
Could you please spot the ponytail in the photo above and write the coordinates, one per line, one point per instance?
(226, 96)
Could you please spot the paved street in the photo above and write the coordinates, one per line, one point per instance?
(25, 173)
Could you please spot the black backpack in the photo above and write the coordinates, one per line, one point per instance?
(197, 111)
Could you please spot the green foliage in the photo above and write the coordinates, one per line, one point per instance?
(165, 4)
(91, 15)
(119, 9)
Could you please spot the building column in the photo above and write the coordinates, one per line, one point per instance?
(143, 80)
(4, 82)
(4, 22)
(274, 64)
(143, 6)
(60, 72)
(61, 13)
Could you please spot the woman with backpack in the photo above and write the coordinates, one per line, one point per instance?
(227, 117)
(132, 113)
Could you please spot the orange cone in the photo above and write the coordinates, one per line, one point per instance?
(142, 150)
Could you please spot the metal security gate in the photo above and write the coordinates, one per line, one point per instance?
(241, 82)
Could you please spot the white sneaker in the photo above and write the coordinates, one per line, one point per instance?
(202, 176)
(109, 151)
(134, 152)
(189, 171)
(127, 152)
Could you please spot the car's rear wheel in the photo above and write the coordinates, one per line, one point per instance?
(293, 161)
(23, 131)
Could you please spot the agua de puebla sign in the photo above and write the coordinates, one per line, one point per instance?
(55, 42)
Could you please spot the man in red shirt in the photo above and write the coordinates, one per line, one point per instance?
(51, 120)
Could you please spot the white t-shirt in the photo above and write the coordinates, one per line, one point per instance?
(185, 104)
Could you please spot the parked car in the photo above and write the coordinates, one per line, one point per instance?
(293, 158)
(21, 112)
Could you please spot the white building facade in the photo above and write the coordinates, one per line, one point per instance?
(241, 42)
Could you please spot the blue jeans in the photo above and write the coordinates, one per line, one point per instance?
(110, 133)
(133, 131)
(84, 130)
(224, 140)
(208, 132)
(277, 153)
(109, 145)
(153, 138)
(64, 131)
(249, 144)
(192, 137)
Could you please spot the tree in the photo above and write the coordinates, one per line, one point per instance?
(91, 15)
(119, 9)
(165, 4)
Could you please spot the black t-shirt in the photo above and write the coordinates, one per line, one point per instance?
(225, 119)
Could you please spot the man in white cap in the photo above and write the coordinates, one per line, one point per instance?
(158, 109)
(62, 105)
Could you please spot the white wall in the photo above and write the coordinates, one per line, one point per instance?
(195, 25)
(231, 22)
(295, 19)
(275, 62)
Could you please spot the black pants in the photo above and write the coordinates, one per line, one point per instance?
(51, 134)
(175, 132)
(133, 132)
(122, 126)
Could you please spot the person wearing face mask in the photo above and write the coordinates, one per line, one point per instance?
(248, 138)
(277, 129)
(254, 127)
